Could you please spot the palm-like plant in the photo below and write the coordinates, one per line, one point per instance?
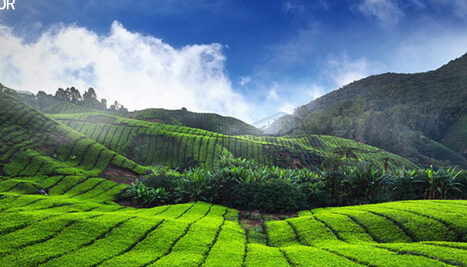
(366, 183)
(438, 184)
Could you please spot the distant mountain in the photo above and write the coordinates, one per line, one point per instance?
(266, 122)
(206, 121)
(421, 116)
(3, 88)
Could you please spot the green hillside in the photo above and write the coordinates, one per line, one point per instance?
(150, 143)
(418, 116)
(456, 135)
(66, 108)
(206, 121)
(73, 230)
(32, 144)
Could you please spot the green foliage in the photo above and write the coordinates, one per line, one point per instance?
(272, 196)
(429, 184)
(247, 185)
(438, 184)
(234, 182)
(139, 192)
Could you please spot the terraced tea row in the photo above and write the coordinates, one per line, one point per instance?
(86, 233)
(390, 234)
(181, 147)
(67, 231)
(206, 121)
(32, 144)
(381, 223)
(79, 187)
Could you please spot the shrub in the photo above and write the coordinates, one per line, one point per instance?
(163, 179)
(403, 186)
(145, 195)
(438, 184)
(272, 196)
(245, 184)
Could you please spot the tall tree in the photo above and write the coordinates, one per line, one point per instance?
(104, 103)
(90, 94)
(90, 99)
(44, 100)
(73, 95)
(61, 94)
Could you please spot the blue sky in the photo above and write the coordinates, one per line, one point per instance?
(243, 58)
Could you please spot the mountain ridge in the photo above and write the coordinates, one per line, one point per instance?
(415, 110)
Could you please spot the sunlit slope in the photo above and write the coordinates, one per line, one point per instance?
(407, 233)
(60, 231)
(33, 145)
(206, 121)
(151, 143)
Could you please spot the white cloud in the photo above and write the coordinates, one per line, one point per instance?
(344, 71)
(419, 4)
(421, 52)
(287, 108)
(386, 12)
(139, 71)
(291, 7)
(245, 80)
(316, 91)
(272, 93)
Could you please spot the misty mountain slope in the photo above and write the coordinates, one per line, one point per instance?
(418, 116)
(150, 143)
(206, 121)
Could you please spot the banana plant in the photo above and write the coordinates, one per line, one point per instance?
(438, 184)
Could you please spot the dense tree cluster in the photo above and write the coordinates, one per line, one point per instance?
(89, 99)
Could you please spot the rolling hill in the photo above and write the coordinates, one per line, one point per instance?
(205, 121)
(150, 143)
(421, 117)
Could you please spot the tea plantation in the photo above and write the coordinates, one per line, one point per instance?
(150, 143)
(83, 228)
(61, 175)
